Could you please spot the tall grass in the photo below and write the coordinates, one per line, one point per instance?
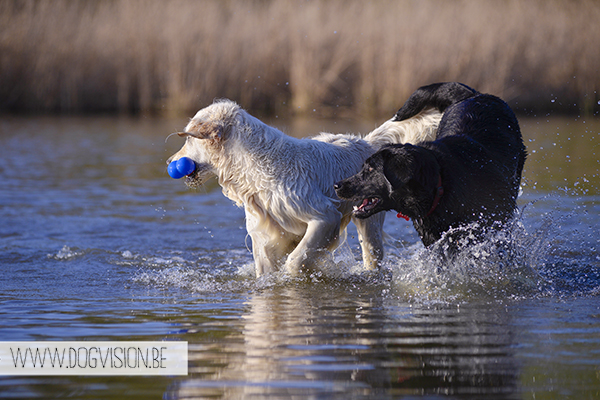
(331, 56)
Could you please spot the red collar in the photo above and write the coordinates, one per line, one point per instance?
(439, 192)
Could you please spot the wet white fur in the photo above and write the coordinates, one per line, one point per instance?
(285, 185)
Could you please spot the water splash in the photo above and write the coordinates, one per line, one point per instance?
(66, 253)
(504, 264)
(542, 252)
(220, 271)
(495, 264)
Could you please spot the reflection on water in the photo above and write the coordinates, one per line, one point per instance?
(300, 341)
(97, 243)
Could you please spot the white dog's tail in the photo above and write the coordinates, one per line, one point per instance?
(420, 128)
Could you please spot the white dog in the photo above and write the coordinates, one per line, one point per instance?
(285, 185)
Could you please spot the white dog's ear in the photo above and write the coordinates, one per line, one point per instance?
(184, 134)
(206, 130)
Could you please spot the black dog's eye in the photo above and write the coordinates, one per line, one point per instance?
(370, 169)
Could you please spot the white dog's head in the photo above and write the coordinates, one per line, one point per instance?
(205, 134)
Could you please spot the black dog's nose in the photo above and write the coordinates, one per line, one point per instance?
(337, 185)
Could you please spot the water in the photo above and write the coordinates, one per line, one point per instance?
(97, 243)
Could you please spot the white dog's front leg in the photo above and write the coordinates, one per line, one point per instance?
(370, 237)
(262, 263)
(320, 236)
(269, 253)
(255, 225)
(270, 243)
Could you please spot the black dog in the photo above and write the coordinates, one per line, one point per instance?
(472, 172)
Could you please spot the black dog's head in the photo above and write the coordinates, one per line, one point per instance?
(398, 177)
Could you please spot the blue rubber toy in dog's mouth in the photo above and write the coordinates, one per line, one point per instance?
(183, 167)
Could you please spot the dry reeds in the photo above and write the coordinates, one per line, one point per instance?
(332, 56)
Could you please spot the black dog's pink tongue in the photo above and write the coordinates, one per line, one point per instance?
(364, 204)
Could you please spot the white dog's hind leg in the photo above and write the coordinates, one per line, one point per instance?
(370, 237)
(320, 236)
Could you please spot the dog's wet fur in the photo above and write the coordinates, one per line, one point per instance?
(285, 184)
(470, 174)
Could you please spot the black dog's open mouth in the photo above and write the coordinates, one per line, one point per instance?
(366, 206)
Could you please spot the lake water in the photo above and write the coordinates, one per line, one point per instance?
(98, 243)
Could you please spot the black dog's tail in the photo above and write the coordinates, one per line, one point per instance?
(437, 95)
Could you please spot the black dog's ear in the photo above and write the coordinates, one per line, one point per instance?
(413, 166)
(427, 169)
(395, 165)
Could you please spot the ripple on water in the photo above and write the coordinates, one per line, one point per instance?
(514, 262)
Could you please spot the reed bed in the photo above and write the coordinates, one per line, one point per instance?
(329, 57)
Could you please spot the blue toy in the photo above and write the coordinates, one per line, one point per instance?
(179, 168)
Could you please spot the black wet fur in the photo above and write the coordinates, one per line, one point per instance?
(479, 155)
